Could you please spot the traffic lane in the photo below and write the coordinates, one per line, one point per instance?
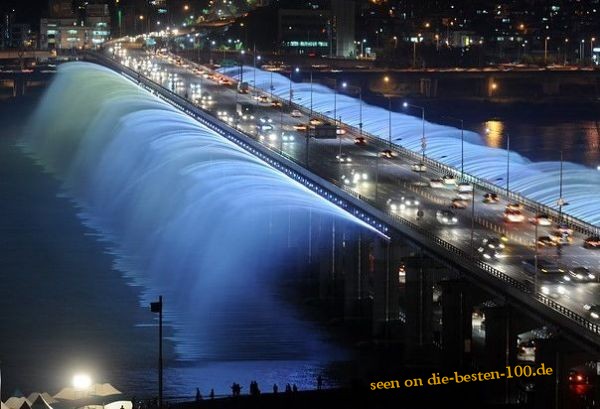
(216, 86)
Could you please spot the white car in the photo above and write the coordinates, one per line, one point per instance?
(296, 114)
(287, 138)
(437, 183)
(418, 167)
(464, 187)
(449, 180)
(513, 216)
(344, 158)
(446, 217)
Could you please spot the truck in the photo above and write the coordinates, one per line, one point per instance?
(244, 110)
(323, 132)
(243, 87)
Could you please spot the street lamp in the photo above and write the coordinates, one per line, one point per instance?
(462, 145)
(390, 120)
(423, 140)
(592, 50)
(507, 163)
(546, 50)
(291, 91)
(566, 45)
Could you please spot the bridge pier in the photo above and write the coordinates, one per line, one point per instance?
(556, 391)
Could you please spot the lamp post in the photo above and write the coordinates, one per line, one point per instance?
(462, 145)
(546, 50)
(311, 94)
(581, 52)
(334, 99)
(592, 50)
(291, 91)
(390, 121)
(507, 164)
(566, 45)
(157, 307)
(561, 201)
(423, 140)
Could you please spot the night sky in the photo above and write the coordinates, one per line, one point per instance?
(28, 11)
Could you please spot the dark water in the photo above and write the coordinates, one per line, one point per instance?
(65, 308)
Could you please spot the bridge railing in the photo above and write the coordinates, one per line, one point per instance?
(458, 256)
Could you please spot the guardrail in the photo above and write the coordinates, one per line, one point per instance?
(372, 216)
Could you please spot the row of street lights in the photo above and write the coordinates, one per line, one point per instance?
(344, 85)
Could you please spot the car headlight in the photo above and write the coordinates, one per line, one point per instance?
(486, 256)
(454, 220)
(545, 290)
(595, 315)
(445, 219)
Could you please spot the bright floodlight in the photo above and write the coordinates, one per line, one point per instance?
(82, 381)
(405, 104)
(297, 69)
(344, 84)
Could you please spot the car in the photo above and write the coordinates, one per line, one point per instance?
(554, 290)
(459, 203)
(354, 177)
(546, 269)
(287, 138)
(579, 274)
(491, 248)
(360, 140)
(449, 180)
(592, 242)
(564, 228)
(410, 201)
(276, 104)
(437, 183)
(315, 121)
(541, 220)
(493, 243)
(264, 126)
(418, 167)
(387, 153)
(300, 127)
(265, 120)
(545, 241)
(513, 216)
(340, 131)
(561, 238)
(344, 158)
(526, 350)
(446, 217)
(514, 206)
(490, 198)
(263, 99)
(296, 113)
(465, 187)
(593, 310)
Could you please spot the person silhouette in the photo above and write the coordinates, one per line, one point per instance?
(319, 382)
(212, 393)
(275, 388)
(294, 388)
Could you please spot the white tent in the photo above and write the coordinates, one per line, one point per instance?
(15, 403)
(125, 404)
(25, 405)
(3, 405)
(104, 389)
(40, 403)
(47, 397)
(69, 393)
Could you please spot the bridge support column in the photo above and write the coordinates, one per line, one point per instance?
(457, 310)
(418, 303)
(355, 265)
(387, 259)
(500, 348)
(556, 391)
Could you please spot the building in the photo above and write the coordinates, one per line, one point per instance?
(305, 31)
(65, 30)
(344, 15)
(60, 9)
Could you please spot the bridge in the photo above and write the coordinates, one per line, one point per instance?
(434, 270)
